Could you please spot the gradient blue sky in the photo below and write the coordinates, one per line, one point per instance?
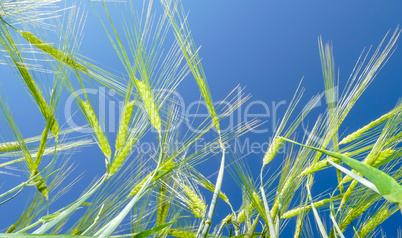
(266, 46)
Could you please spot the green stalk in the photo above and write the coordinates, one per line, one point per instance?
(250, 232)
(219, 231)
(201, 226)
(109, 228)
(95, 221)
(271, 226)
(316, 216)
(208, 221)
(338, 230)
(70, 208)
(22, 185)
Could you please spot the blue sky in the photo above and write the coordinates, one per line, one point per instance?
(266, 47)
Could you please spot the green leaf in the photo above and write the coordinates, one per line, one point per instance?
(388, 187)
(315, 212)
(251, 231)
(356, 177)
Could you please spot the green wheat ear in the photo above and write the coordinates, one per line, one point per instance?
(124, 125)
(190, 53)
(50, 50)
(94, 123)
(388, 187)
(149, 103)
(11, 48)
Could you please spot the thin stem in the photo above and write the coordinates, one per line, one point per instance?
(21, 186)
(71, 208)
(40, 221)
(267, 211)
(210, 214)
(107, 230)
(219, 231)
(95, 221)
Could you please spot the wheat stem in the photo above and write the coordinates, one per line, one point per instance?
(65, 212)
(208, 220)
(272, 231)
(113, 224)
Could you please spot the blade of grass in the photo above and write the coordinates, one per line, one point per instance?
(388, 187)
(68, 210)
(356, 177)
(109, 228)
(316, 215)
(208, 221)
(272, 230)
(250, 232)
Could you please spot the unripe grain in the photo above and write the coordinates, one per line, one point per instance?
(196, 204)
(272, 150)
(119, 159)
(375, 221)
(9, 146)
(365, 128)
(52, 51)
(181, 234)
(165, 168)
(93, 122)
(124, 125)
(149, 104)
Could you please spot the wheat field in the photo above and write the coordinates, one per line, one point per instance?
(164, 191)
